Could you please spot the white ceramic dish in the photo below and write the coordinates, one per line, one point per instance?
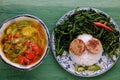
(25, 17)
(66, 62)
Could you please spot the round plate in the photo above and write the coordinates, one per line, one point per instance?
(66, 62)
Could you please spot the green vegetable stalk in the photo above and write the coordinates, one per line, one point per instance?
(89, 68)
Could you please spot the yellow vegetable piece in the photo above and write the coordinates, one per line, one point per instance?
(28, 31)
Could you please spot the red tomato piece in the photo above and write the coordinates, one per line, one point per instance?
(16, 36)
(29, 54)
(35, 58)
(27, 61)
(23, 60)
(36, 49)
(27, 42)
(39, 52)
(9, 37)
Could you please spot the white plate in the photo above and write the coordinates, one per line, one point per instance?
(66, 62)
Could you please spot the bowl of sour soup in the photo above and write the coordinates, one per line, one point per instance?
(24, 41)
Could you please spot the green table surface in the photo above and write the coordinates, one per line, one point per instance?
(50, 11)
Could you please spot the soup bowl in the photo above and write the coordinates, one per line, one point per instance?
(24, 41)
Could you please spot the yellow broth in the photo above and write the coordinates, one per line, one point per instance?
(23, 41)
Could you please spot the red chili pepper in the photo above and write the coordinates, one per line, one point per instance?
(36, 49)
(16, 36)
(103, 26)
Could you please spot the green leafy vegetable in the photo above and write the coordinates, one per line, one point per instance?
(82, 22)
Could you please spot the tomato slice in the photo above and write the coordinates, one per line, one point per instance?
(23, 60)
(27, 61)
(27, 42)
(9, 37)
(36, 49)
(20, 60)
(29, 54)
(35, 58)
(16, 36)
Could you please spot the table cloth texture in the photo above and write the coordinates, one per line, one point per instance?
(50, 11)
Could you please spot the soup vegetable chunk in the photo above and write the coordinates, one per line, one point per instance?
(23, 42)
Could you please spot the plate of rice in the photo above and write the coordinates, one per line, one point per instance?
(81, 43)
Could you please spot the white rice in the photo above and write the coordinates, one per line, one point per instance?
(85, 37)
(86, 59)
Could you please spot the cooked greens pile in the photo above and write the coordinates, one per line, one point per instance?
(82, 22)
